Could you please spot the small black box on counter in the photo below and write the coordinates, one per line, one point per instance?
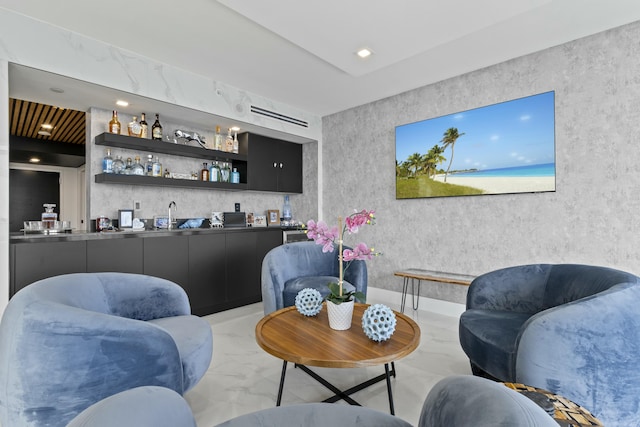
(235, 220)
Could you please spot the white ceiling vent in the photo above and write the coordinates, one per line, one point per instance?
(278, 116)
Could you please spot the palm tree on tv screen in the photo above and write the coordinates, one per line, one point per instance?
(449, 139)
(432, 159)
(414, 161)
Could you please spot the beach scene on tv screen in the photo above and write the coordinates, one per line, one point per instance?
(496, 149)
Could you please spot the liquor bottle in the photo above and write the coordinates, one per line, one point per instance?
(134, 127)
(214, 172)
(157, 167)
(114, 124)
(144, 127)
(224, 172)
(204, 172)
(137, 168)
(286, 209)
(228, 143)
(217, 140)
(118, 165)
(107, 162)
(235, 176)
(128, 169)
(156, 129)
(148, 166)
(235, 142)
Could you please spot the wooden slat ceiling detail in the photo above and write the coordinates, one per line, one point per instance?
(27, 117)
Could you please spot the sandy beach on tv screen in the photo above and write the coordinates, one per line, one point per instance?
(497, 185)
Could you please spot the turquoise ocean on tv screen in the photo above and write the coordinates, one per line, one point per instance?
(546, 169)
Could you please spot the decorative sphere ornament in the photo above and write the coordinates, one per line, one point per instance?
(309, 302)
(378, 322)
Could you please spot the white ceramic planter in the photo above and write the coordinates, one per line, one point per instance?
(340, 315)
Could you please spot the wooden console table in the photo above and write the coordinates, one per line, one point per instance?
(413, 274)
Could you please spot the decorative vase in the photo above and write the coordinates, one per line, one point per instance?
(378, 322)
(309, 302)
(340, 315)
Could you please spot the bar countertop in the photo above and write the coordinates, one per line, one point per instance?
(17, 238)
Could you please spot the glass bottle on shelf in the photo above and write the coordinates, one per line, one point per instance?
(157, 167)
(156, 129)
(286, 209)
(224, 172)
(118, 165)
(228, 143)
(214, 172)
(204, 172)
(128, 170)
(114, 123)
(217, 140)
(144, 126)
(235, 142)
(107, 162)
(137, 168)
(235, 176)
(148, 166)
(134, 127)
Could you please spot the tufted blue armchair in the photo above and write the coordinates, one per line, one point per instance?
(571, 329)
(69, 341)
(287, 269)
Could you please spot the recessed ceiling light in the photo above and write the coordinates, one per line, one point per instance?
(44, 133)
(56, 90)
(46, 126)
(364, 53)
(34, 160)
(122, 103)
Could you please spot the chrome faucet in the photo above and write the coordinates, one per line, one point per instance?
(172, 203)
(190, 136)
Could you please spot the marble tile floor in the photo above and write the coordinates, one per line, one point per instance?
(243, 378)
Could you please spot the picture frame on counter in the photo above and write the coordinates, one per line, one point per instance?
(273, 217)
(250, 219)
(125, 218)
(260, 221)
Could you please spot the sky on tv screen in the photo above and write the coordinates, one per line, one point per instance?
(510, 134)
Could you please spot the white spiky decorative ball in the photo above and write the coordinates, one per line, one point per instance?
(379, 322)
(309, 302)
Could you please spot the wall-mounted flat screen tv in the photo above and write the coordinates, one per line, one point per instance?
(496, 149)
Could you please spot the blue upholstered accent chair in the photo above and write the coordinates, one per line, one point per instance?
(288, 269)
(571, 329)
(148, 406)
(467, 401)
(69, 341)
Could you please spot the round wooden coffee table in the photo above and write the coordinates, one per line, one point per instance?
(309, 341)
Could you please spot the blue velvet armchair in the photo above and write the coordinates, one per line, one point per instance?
(571, 329)
(287, 269)
(69, 341)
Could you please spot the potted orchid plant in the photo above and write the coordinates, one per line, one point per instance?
(329, 238)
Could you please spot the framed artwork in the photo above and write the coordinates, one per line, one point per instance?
(501, 148)
(260, 221)
(125, 218)
(250, 219)
(273, 217)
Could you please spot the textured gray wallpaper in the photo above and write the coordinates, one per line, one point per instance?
(591, 218)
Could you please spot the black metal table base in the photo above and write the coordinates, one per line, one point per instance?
(344, 394)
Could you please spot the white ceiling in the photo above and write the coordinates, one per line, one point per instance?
(302, 52)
